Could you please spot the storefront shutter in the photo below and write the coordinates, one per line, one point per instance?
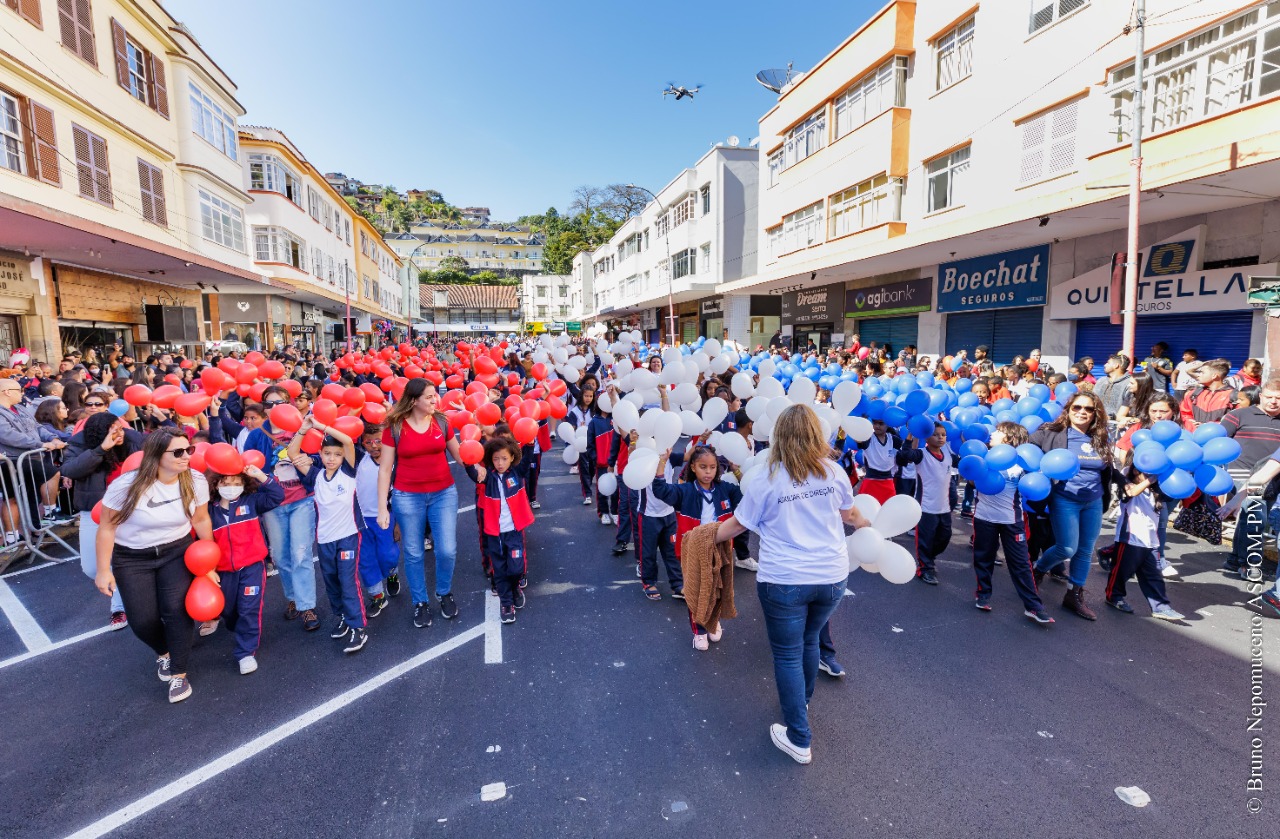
(1211, 334)
(892, 332)
(1007, 332)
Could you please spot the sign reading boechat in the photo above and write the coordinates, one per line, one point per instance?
(995, 281)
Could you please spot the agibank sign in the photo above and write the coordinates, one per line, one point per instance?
(996, 281)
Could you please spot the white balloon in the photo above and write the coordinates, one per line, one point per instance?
(570, 455)
(846, 397)
(607, 484)
(703, 362)
(897, 565)
(767, 368)
(639, 472)
(714, 411)
(868, 506)
(579, 361)
(650, 396)
(743, 385)
(691, 371)
(671, 374)
(770, 388)
(713, 438)
(646, 443)
(636, 338)
(643, 379)
(580, 440)
(865, 546)
(635, 398)
(757, 407)
(733, 447)
(711, 348)
(827, 432)
(647, 421)
(541, 357)
(897, 515)
(623, 368)
(776, 407)
(763, 427)
(720, 363)
(691, 424)
(859, 428)
(729, 478)
(667, 429)
(685, 392)
(560, 354)
(828, 418)
(565, 431)
(626, 416)
(670, 356)
(572, 375)
(803, 391)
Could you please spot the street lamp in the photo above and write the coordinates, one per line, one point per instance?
(671, 269)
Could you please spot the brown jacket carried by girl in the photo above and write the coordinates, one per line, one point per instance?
(708, 575)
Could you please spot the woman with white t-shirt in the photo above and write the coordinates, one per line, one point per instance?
(798, 504)
(147, 519)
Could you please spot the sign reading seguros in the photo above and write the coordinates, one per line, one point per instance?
(1171, 283)
(995, 281)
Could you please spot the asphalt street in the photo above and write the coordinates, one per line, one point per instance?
(594, 716)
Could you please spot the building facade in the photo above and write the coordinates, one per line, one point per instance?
(505, 249)
(552, 303)
(460, 310)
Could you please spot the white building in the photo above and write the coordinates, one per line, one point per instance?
(552, 302)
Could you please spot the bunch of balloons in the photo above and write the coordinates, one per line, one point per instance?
(1185, 461)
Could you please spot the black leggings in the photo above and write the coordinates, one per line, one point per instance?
(153, 583)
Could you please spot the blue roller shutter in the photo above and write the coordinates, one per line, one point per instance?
(1008, 332)
(1211, 334)
(893, 332)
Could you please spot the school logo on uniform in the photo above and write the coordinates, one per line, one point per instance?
(242, 510)
(511, 483)
(1018, 537)
(724, 505)
(515, 553)
(346, 554)
(250, 591)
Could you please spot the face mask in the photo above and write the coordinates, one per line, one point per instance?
(231, 493)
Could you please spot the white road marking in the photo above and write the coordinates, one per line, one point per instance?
(50, 564)
(265, 741)
(466, 509)
(84, 636)
(28, 630)
(492, 629)
(493, 792)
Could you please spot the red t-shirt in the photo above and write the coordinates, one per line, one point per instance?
(1126, 440)
(420, 462)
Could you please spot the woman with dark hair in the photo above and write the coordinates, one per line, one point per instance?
(1075, 505)
(51, 415)
(1159, 407)
(92, 461)
(1139, 394)
(415, 475)
(73, 396)
(141, 543)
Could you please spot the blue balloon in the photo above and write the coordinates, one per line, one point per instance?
(1034, 486)
(118, 407)
(925, 380)
(1031, 423)
(938, 401)
(967, 400)
(1220, 451)
(1064, 391)
(1040, 392)
(875, 410)
(916, 402)
(921, 426)
(1150, 457)
(971, 467)
(973, 447)
(1185, 454)
(1001, 457)
(1001, 405)
(828, 382)
(989, 483)
(1178, 484)
(833, 369)
(976, 431)
(1060, 464)
(1213, 480)
(1140, 436)
(1207, 432)
(1165, 432)
(1029, 457)
(1053, 409)
(905, 384)
(812, 373)
(963, 385)
(895, 417)
(1027, 406)
(1007, 416)
(873, 389)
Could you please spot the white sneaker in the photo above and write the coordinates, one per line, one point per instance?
(606, 519)
(587, 502)
(1169, 571)
(778, 732)
(573, 470)
(747, 564)
(208, 628)
(717, 635)
(247, 665)
(700, 642)
(535, 505)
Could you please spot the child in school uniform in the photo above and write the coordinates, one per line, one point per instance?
(331, 476)
(933, 490)
(701, 497)
(656, 533)
(579, 416)
(508, 513)
(235, 503)
(881, 456)
(999, 521)
(600, 437)
(379, 553)
(1138, 547)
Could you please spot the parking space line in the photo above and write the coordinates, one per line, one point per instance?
(53, 563)
(28, 630)
(493, 629)
(265, 741)
(84, 636)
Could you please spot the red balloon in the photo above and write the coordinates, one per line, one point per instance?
(484, 365)
(255, 391)
(511, 415)
(372, 393)
(525, 430)
(513, 379)
(413, 371)
(381, 370)
(285, 417)
(475, 400)
(173, 379)
(557, 387)
(476, 387)
(138, 395)
(186, 364)
(515, 389)
(488, 380)
(246, 373)
(325, 411)
(460, 418)
(512, 401)
(131, 462)
(488, 414)
(453, 382)
(204, 600)
(529, 408)
(165, 395)
(353, 398)
(397, 387)
(271, 370)
(470, 452)
(434, 377)
(96, 515)
(556, 407)
(255, 358)
(333, 392)
(293, 387)
(311, 442)
(538, 371)
(374, 413)
(470, 432)
(387, 383)
(544, 410)
(202, 556)
(213, 379)
(253, 457)
(224, 459)
(228, 366)
(353, 427)
(536, 393)
(191, 404)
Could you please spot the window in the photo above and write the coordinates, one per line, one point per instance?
(798, 230)
(1049, 143)
(75, 22)
(326, 215)
(541, 291)
(275, 244)
(705, 252)
(92, 167)
(136, 62)
(706, 199)
(346, 231)
(684, 263)
(869, 203)
(943, 174)
(268, 173)
(661, 226)
(151, 184)
(564, 311)
(138, 71)
(313, 203)
(11, 140)
(211, 122)
(683, 211)
(29, 9)
(366, 285)
(542, 311)
(221, 222)
(317, 263)
(1045, 12)
(564, 291)
(881, 89)
(953, 55)
(809, 137)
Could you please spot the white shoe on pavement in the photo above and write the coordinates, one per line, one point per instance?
(208, 628)
(717, 635)
(778, 732)
(247, 665)
(587, 502)
(700, 642)
(748, 564)
(606, 519)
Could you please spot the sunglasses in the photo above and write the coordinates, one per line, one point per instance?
(1088, 409)
(186, 451)
(273, 403)
(95, 404)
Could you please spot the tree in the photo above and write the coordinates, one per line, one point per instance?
(367, 214)
(444, 277)
(454, 263)
(586, 199)
(622, 201)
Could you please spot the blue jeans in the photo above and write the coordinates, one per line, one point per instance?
(793, 617)
(291, 532)
(413, 510)
(1076, 525)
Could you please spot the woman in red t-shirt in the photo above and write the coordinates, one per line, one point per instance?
(415, 474)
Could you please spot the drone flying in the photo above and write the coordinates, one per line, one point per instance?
(680, 91)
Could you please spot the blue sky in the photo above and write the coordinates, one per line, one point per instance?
(505, 104)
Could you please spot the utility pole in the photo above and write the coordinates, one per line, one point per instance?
(1135, 187)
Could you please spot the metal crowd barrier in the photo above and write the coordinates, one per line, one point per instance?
(32, 475)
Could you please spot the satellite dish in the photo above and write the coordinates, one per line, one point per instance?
(776, 79)
(733, 141)
(755, 142)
